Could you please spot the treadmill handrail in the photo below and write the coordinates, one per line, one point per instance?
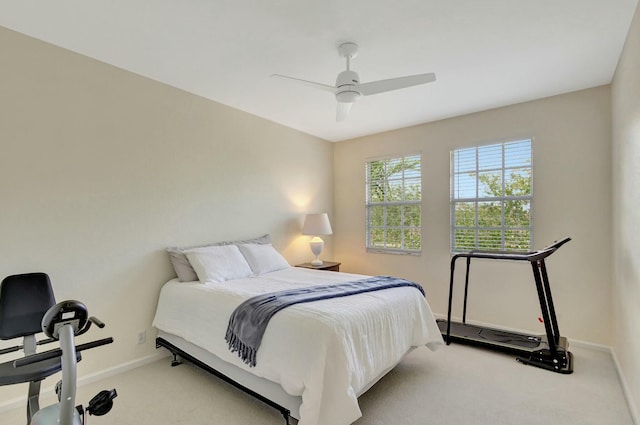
(510, 255)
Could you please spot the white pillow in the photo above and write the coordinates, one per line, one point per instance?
(263, 258)
(218, 263)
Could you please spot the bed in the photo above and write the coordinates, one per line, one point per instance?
(315, 358)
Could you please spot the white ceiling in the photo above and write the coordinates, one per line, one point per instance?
(485, 54)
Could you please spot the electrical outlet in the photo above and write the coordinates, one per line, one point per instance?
(142, 337)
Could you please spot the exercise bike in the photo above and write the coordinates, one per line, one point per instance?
(63, 322)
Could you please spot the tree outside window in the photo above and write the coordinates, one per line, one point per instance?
(491, 197)
(394, 195)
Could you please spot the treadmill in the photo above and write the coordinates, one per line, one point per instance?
(548, 351)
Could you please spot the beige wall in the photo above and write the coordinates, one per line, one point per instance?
(101, 169)
(626, 214)
(571, 178)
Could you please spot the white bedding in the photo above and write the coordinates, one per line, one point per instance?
(325, 351)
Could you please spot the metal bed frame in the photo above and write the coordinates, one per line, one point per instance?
(177, 352)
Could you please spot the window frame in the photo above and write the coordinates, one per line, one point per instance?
(503, 198)
(402, 227)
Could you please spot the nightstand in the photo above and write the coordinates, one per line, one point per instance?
(326, 265)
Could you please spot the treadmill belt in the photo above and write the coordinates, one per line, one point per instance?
(504, 337)
(491, 336)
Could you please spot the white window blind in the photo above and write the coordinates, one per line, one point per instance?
(491, 197)
(393, 198)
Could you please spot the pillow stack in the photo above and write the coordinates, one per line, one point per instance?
(222, 261)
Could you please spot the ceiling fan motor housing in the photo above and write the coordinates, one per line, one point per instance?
(346, 84)
(347, 77)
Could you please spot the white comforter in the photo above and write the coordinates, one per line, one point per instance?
(325, 351)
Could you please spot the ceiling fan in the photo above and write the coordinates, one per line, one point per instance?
(348, 88)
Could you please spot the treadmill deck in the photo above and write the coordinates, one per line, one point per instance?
(496, 338)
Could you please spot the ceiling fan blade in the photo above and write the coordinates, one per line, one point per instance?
(324, 87)
(343, 110)
(382, 86)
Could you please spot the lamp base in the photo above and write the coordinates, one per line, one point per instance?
(316, 245)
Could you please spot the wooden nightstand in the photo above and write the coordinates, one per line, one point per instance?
(326, 265)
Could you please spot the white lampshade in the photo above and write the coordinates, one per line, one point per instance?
(317, 224)
(314, 225)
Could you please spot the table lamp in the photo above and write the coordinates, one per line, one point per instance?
(314, 225)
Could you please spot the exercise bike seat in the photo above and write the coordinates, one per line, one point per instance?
(40, 369)
(24, 300)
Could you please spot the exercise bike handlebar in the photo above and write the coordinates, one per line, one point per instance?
(91, 320)
(96, 322)
(39, 357)
(20, 347)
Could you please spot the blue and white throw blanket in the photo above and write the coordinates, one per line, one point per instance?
(249, 320)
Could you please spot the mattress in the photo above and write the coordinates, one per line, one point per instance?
(327, 352)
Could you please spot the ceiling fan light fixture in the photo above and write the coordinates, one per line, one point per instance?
(347, 96)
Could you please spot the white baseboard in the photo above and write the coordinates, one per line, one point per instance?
(589, 345)
(89, 379)
(633, 408)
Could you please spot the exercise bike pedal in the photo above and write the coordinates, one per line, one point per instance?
(102, 403)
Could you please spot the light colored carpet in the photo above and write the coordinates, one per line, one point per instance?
(456, 385)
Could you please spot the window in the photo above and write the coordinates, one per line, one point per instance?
(394, 194)
(491, 197)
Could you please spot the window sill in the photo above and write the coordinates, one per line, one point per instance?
(395, 252)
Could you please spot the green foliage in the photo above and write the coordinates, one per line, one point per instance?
(514, 213)
(393, 203)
